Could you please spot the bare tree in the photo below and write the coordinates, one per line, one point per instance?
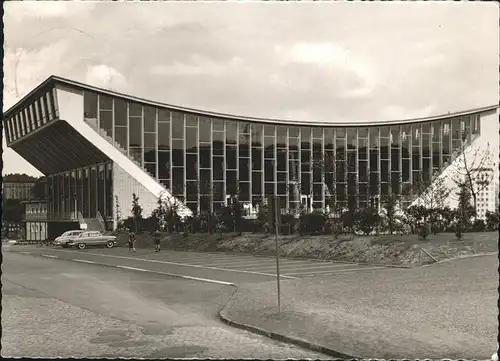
(432, 193)
(473, 169)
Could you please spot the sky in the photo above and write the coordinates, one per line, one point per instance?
(330, 61)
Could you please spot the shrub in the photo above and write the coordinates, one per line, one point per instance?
(312, 223)
(149, 224)
(492, 221)
(287, 224)
(348, 220)
(128, 223)
(478, 226)
(435, 229)
(366, 220)
(423, 232)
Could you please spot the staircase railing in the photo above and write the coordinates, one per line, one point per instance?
(101, 221)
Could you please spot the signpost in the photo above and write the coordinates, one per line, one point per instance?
(274, 215)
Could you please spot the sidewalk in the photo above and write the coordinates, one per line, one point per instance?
(448, 310)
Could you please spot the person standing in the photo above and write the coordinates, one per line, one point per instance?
(131, 241)
(157, 239)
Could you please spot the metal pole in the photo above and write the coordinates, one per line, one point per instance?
(277, 253)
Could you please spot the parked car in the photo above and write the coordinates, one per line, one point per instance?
(67, 236)
(92, 238)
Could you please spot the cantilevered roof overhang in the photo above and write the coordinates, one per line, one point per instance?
(58, 147)
(53, 80)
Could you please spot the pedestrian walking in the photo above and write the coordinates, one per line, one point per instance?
(157, 239)
(131, 241)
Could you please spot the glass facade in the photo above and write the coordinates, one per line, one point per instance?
(203, 160)
(86, 190)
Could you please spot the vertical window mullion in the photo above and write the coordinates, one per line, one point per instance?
(143, 165)
(128, 127)
(156, 147)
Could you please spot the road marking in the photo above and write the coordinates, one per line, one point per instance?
(173, 275)
(132, 268)
(143, 270)
(212, 259)
(239, 264)
(82, 260)
(333, 271)
(285, 269)
(185, 265)
(26, 252)
(213, 256)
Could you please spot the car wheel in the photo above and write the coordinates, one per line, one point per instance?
(109, 244)
(82, 245)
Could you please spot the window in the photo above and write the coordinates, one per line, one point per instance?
(218, 124)
(218, 168)
(177, 126)
(105, 102)
(256, 130)
(163, 115)
(281, 137)
(121, 137)
(164, 165)
(191, 120)
(205, 156)
(135, 132)
(231, 132)
(269, 130)
(106, 121)
(191, 140)
(134, 110)
(205, 128)
(218, 143)
(178, 152)
(120, 112)
(244, 146)
(163, 136)
(149, 119)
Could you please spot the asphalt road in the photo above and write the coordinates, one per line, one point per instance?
(218, 267)
(61, 308)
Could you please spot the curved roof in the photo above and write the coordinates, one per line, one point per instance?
(52, 80)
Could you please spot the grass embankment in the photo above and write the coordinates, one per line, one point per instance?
(402, 250)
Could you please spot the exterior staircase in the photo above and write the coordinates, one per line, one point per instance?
(115, 144)
(446, 167)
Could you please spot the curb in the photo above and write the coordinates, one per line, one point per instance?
(279, 337)
(286, 339)
(461, 257)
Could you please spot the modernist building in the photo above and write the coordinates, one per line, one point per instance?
(97, 147)
(35, 221)
(18, 186)
(488, 194)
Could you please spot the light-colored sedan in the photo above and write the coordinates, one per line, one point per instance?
(92, 238)
(66, 237)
